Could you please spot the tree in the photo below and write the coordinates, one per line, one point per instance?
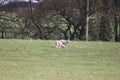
(69, 19)
(69, 11)
(38, 26)
(87, 20)
(9, 24)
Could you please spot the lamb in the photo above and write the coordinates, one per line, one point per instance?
(61, 43)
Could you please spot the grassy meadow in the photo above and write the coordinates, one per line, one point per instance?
(40, 60)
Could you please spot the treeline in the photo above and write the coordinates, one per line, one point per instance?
(61, 19)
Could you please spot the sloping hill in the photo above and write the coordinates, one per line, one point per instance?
(40, 60)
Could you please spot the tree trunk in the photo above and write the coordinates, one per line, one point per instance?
(116, 28)
(2, 35)
(74, 34)
(40, 28)
(102, 29)
(87, 20)
(82, 21)
(119, 30)
(82, 30)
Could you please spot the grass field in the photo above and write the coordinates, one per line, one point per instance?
(40, 60)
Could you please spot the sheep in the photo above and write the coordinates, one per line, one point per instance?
(61, 43)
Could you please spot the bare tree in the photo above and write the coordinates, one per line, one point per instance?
(38, 26)
(87, 20)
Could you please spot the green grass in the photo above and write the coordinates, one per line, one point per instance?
(40, 60)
